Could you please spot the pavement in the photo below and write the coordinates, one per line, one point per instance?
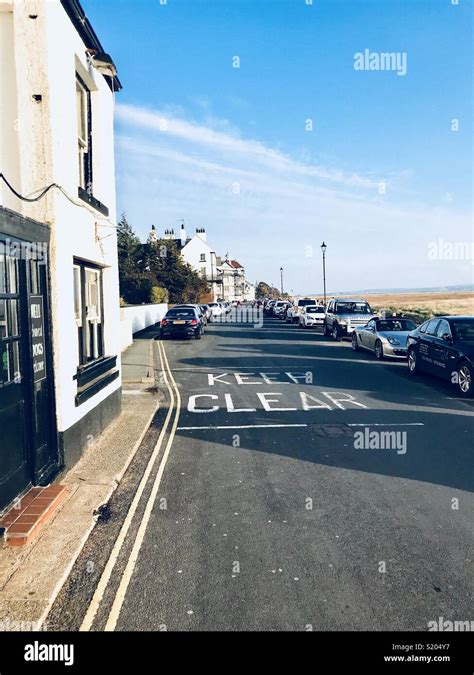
(264, 500)
(31, 576)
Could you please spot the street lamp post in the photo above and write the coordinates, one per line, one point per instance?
(323, 249)
(281, 279)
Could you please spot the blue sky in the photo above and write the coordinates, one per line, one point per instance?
(380, 177)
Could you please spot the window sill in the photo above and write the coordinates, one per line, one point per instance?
(91, 371)
(96, 386)
(92, 201)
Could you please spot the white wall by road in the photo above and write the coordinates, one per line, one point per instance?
(136, 318)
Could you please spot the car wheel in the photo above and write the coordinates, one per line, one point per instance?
(198, 334)
(464, 379)
(379, 350)
(326, 329)
(355, 344)
(335, 333)
(412, 361)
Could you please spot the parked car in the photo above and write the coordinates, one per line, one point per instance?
(206, 311)
(216, 310)
(181, 322)
(198, 309)
(384, 337)
(312, 316)
(284, 311)
(343, 315)
(293, 314)
(269, 307)
(444, 347)
(278, 307)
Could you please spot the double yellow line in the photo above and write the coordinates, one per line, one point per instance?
(175, 406)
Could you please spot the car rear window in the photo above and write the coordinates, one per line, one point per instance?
(181, 314)
(315, 310)
(303, 303)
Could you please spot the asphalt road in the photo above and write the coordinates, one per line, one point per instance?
(263, 511)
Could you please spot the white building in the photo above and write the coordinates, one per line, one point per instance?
(59, 301)
(203, 259)
(197, 253)
(233, 277)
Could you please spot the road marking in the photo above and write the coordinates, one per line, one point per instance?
(107, 573)
(243, 426)
(389, 424)
(132, 561)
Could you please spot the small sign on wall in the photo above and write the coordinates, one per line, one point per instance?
(37, 338)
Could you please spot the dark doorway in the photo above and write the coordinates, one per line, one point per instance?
(28, 454)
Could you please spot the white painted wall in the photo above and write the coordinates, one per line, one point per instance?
(137, 317)
(47, 52)
(9, 150)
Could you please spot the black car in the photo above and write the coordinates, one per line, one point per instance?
(182, 322)
(444, 347)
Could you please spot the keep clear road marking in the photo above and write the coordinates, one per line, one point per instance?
(130, 567)
(107, 573)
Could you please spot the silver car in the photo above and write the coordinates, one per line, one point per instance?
(384, 337)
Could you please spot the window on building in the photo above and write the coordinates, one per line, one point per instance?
(203, 257)
(84, 135)
(88, 312)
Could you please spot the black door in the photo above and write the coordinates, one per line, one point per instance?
(28, 451)
(42, 426)
(443, 354)
(15, 467)
(425, 345)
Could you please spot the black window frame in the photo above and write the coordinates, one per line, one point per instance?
(86, 172)
(86, 176)
(95, 374)
(84, 265)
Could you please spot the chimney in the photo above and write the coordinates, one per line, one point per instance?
(202, 233)
(152, 235)
(182, 235)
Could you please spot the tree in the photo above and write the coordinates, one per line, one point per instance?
(264, 290)
(170, 271)
(155, 271)
(134, 279)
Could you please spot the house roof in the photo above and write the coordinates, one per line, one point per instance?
(89, 37)
(236, 265)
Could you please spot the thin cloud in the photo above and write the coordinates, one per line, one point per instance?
(163, 123)
(271, 209)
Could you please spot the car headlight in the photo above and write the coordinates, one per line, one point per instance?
(392, 340)
(342, 322)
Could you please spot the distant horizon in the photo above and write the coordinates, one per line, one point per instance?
(459, 288)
